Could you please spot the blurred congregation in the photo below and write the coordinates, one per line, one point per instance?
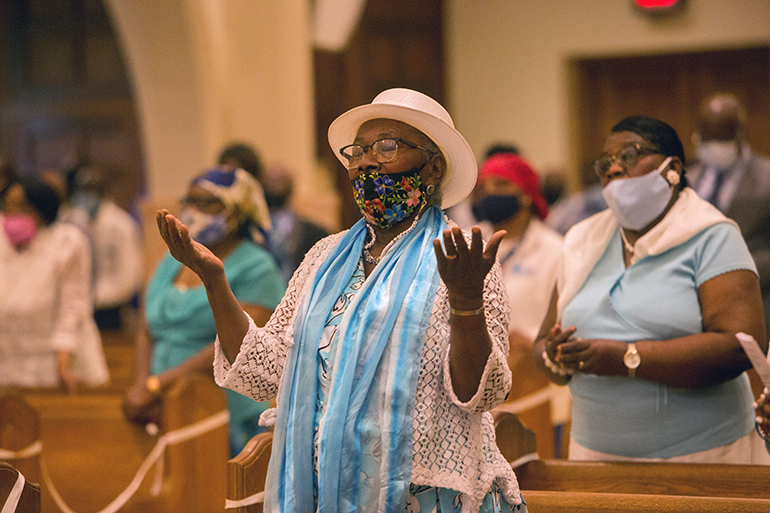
(219, 112)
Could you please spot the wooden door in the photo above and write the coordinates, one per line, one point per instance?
(65, 96)
(669, 87)
(399, 43)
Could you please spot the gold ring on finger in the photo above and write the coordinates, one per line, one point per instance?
(451, 257)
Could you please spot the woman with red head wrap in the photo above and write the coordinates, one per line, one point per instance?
(508, 196)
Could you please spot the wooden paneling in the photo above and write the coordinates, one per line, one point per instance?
(91, 453)
(398, 44)
(647, 477)
(670, 88)
(64, 92)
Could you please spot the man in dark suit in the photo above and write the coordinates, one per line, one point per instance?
(734, 179)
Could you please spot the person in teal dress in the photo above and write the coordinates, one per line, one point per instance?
(226, 212)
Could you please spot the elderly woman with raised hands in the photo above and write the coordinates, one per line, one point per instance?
(390, 345)
(225, 212)
(643, 320)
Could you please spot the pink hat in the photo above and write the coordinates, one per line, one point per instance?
(516, 170)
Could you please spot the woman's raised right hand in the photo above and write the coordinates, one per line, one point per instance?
(190, 253)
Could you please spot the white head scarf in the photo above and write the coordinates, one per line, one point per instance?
(241, 193)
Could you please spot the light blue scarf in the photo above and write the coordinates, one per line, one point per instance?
(374, 377)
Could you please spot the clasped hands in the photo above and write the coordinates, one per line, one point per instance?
(572, 354)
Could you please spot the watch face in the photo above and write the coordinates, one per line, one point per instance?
(632, 360)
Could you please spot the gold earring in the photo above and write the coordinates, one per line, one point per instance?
(430, 189)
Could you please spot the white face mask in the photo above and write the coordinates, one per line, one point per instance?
(637, 201)
(205, 228)
(719, 154)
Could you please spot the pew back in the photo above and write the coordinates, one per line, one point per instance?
(19, 429)
(91, 453)
(29, 501)
(692, 479)
(196, 481)
(517, 443)
(594, 502)
(246, 473)
(89, 450)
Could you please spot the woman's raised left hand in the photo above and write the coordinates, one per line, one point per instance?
(462, 268)
(182, 247)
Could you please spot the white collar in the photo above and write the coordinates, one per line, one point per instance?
(585, 243)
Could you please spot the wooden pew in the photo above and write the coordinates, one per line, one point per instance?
(29, 501)
(527, 382)
(92, 453)
(247, 471)
(196, 479)
(691, 479)
(550, 482)
(594, 502)
(560, 485)
(517, 443)
(19, 429)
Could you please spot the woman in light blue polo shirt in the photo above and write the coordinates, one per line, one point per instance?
(643, 320)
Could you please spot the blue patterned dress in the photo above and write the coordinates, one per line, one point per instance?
(421, 498)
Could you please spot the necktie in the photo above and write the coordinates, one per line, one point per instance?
(718, 182)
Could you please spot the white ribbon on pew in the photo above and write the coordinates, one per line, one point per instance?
(257, 498)
(15, 496)
(171, 438)
(32, 449)
(524, 459)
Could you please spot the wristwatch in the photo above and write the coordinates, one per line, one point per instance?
(153, 385)
(632, 359)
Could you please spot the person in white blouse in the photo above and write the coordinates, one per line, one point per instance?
(508, 197)
(117, 247)
(48, 337)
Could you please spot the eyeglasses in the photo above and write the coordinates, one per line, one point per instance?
(383, 150)
(627, 157)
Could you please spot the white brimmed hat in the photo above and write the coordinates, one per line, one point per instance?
(429, 117)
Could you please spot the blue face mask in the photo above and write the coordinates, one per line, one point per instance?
(497, 208)
(207, 229)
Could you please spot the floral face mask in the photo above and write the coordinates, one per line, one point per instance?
(387, 199)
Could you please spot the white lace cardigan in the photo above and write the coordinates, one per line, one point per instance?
(454, 442)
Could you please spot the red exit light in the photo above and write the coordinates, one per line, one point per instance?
(655, 4)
